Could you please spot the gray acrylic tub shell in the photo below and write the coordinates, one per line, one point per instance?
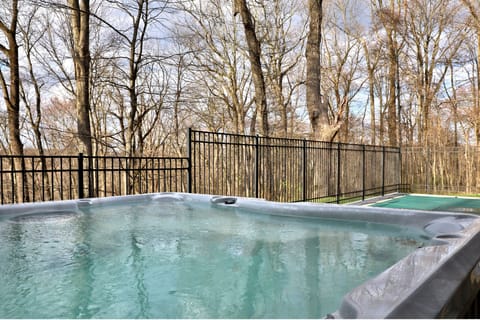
(434, 281)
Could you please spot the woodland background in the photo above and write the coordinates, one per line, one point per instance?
(128, 77)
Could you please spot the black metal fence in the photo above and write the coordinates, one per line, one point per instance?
(290, 169)
(217, 163)
(43, 178)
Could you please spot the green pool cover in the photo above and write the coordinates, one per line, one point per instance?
(433, 203)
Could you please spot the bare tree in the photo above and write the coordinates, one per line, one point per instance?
(343, 62)
(138, 99)
(219, 79)
(31, 33)
(180, 64)
(255, 57)
(474, 9)
(317, 108)
(433, 38)
(283, 40)
(372, 57)
(11, 92)
(389, 17)
(317, 104)
(11, 83)
(59, 119)
(80, 24)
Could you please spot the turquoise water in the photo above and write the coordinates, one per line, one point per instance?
(150, 260)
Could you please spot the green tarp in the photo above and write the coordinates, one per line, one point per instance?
(433, 203)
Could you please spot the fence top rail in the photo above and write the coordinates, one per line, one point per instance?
(441, 148)
(294, 140)
(137, 158)
(308, 145)
(9, 156)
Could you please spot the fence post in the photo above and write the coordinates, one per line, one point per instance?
(338, 172)
(304, 169)
(189, 161)
(383, 171)
(12, 179)
(2, 193)
(400, 180)
(427, 168)
(363, 172)
(80, 176)
(90, 173)
(25, 196)
(257, 166)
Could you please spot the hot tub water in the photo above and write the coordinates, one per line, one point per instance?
(180, 259)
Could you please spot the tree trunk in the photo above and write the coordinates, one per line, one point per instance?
(11, 95)
(80, 23)
(13, 98)
(35, 116)
(317, 111)
(476, 20)
(317, 106)
(392, 82)
(371, 92)
(254, 55)
(80, 16)
(136, 43)
(477, 93)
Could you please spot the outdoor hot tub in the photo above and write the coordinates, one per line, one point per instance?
(176, 255)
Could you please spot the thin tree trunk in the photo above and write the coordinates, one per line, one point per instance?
(371, 87)
(477, 93)
(392, 81)
(36, 119)
(11, 95)
(476, 20)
